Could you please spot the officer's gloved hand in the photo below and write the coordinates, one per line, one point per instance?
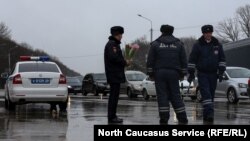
(151, 76)
(191, 78)
(128, 62)
(220, 77)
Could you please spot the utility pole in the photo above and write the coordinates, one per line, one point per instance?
(151, 24)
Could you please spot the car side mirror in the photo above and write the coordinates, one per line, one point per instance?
(5, 75)
(224, 77)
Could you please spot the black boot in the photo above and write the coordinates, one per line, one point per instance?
(208, 120)
(164, 117)
(182, 118)
(163, 122)
(183, 122)
(115, 120)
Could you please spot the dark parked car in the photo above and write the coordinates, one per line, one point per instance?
(95, 83)
(74, 85)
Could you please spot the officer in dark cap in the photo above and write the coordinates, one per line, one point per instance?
(208, 58)
(167, 64)
(114, 68)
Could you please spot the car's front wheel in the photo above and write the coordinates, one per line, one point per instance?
(145, 94)
(85, 93)
(105, 94)
(95, 91)
(231, 96)
(129, 93)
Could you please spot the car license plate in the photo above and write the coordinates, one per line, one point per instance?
(40, 80)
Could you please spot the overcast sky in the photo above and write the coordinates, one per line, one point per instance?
(76, 31)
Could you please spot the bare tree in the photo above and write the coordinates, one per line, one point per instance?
(188, 43)
(243, 16)
(4, 31)
(139, 60)
(229, 30)
(26, 45)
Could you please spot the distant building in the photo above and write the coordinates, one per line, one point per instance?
(238, 53)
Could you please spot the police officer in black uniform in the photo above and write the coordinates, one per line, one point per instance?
(208, 58)
(114, 68)
(167, 64)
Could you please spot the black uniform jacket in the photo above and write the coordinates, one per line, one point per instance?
(114, 61)
(207, 57)
(167, 52)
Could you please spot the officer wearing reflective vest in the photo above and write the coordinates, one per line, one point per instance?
(167, 64)
(208, 58)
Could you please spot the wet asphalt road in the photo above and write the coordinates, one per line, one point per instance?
(34, 122)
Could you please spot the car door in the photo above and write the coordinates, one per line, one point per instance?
(86, 83)
(123, 88)
(222, 86)
(91, 83)
(146, 85)
(150, 86)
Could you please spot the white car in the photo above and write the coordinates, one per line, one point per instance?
(149, 89)
(35, 80)
(234, 85)
(133, 85)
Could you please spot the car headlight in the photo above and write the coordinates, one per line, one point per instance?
(241, 85)
(69, 87)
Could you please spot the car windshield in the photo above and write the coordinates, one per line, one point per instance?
(73, 81)
(100, 76)
(136, 77)
(239, 73)
(38, 67)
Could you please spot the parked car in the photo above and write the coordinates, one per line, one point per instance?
(234, 84)
(148, 87)
(74, 85)
(95, 83)
(35, 79)
(80, 78)
(133, 85)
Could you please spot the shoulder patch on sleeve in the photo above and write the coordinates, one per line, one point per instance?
(114, 49)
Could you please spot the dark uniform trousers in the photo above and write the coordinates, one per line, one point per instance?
(113, 99)
(168, 90)
(207, 84)
(209, 59)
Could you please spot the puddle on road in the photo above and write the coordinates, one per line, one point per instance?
(35, 122)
